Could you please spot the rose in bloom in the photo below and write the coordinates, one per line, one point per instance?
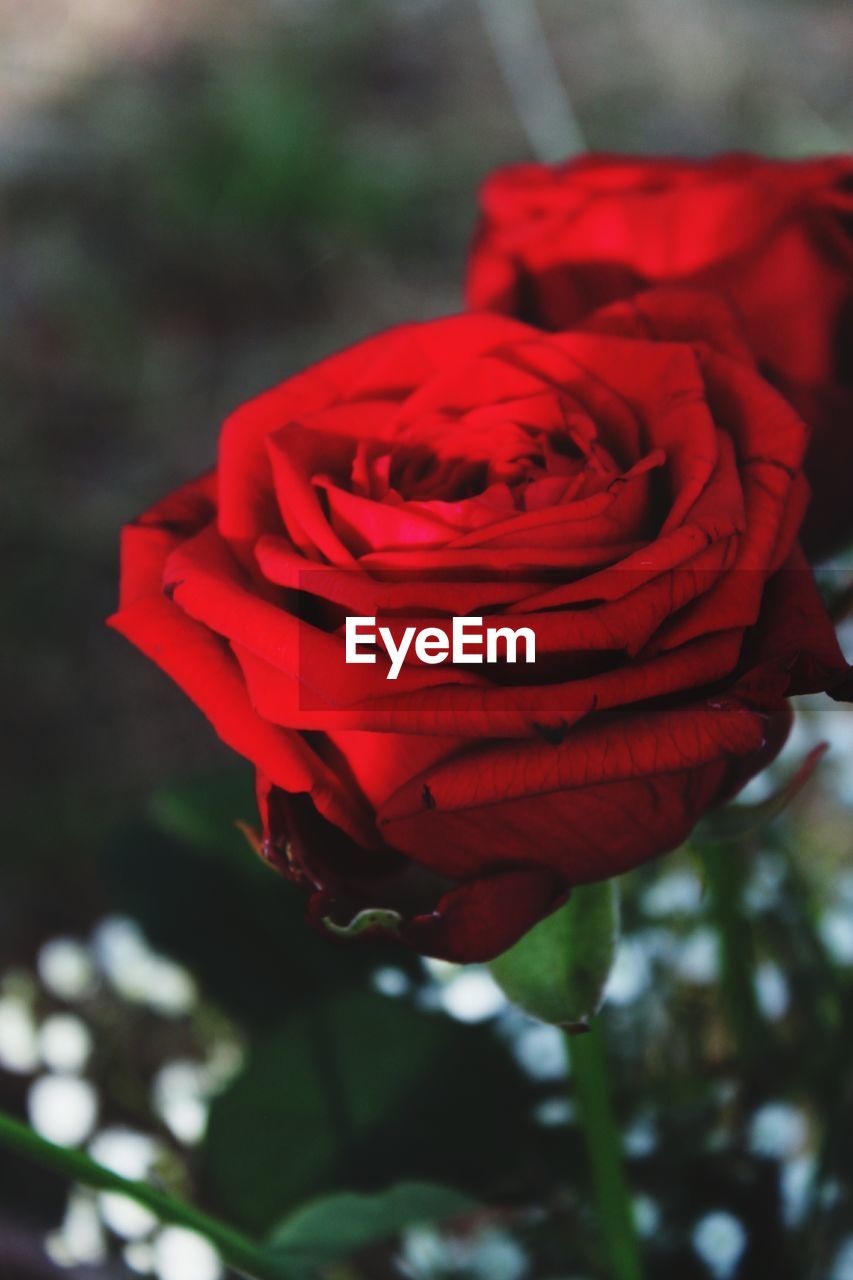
(774, 237)
(631, 492)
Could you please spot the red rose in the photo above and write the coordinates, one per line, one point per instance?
(774, 237)
(630, 492)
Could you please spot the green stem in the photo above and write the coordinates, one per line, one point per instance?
(235, 1249)
(604, 1148)
(725, 873)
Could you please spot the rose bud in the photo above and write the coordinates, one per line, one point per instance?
(629, 493)
(775, 238)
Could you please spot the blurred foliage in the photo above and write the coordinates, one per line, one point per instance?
(247, 942)
(337, 1074)
(183, 221)
(336, 1099)
(730, 1099)
(263, 155)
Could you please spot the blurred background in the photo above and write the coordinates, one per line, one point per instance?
(197, 198)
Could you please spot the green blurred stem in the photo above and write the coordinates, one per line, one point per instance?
(725, 873)
(235, 1249)
(604, 1149)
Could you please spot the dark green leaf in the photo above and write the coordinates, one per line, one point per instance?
(339, 1225)
(353, 1091)
(308, 1093)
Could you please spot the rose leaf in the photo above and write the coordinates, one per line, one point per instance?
(337, 1226)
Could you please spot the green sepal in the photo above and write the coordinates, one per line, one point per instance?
(558, 970)
(737, 820)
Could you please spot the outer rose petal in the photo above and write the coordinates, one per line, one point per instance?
(147, 542)
(481, 918)
(202, 576)
(676, 315)
(796, 634)
(476, 709)
(826, 527)
(586, 834)
(196, 660)
(659, 773)
(629, 212)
